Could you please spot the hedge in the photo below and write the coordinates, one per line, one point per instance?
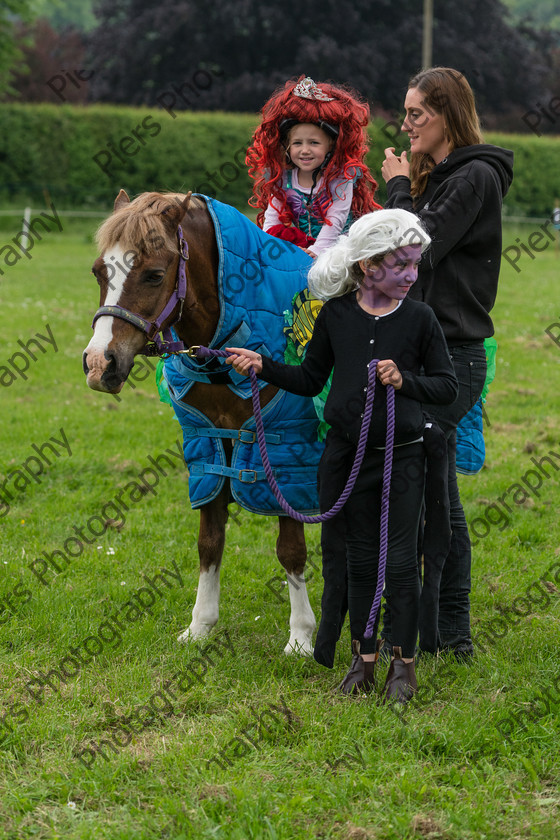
(536, 181)
(84, 155)
(81, 156)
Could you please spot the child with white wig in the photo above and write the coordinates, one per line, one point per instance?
(365, 278)
(337, 271)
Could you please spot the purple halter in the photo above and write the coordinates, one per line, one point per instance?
(153, 328)
(360, 452)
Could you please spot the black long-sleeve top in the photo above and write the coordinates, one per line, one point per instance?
(345, 339)
(461, 209)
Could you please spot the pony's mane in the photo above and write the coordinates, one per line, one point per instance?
(139, 226)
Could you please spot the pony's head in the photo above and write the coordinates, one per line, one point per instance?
(136, 271)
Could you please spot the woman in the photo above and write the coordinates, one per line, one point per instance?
(365, 278)
(455, 183)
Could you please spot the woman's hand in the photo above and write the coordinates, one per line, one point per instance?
(393, 165)
(389, 374)
(243, 360)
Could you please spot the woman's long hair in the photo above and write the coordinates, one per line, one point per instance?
(336, 271)
(266, 156)
(447, 92)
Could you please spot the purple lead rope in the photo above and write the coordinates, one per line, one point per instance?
(360, 452)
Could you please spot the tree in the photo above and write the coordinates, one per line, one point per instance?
(52, 60)
(251, 47)
(12, 12)
(62, 14)
(544, 13)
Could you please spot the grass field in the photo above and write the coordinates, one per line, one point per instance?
(475, 756)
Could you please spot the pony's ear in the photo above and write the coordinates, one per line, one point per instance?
(121, 200)
(173, 213)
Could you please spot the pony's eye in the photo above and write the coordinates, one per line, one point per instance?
(154, 277)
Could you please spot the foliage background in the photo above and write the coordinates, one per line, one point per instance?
(48, 150)
(512, 62)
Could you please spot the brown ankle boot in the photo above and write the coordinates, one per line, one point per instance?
(400, 684)
(360, 679)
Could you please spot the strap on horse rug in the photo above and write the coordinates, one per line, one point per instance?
(471, 449)
(258, 276)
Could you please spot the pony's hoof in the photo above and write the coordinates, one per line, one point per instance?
(299, 648)
(191, 634)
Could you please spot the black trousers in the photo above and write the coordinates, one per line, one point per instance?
(454, 603)
(454, 631)
(359, 522)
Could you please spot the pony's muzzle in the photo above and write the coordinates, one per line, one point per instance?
(104, 372)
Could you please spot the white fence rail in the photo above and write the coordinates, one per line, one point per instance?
(101, 214)
(27, 211)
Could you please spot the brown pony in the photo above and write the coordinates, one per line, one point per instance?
(136, 273)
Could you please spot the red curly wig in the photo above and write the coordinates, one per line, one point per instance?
(266, 156)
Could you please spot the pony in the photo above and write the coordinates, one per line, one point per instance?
(144, 247)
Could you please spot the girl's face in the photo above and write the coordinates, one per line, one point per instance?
(308, 146)
(394, 277)
(425, 128)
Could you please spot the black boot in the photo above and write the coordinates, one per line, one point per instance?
(360, 679)
(400, 684)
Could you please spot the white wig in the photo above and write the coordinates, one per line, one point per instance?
(336, 271)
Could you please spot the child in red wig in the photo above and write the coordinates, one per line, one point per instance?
(307, 162)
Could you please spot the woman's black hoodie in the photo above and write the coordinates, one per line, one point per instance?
(461, 210)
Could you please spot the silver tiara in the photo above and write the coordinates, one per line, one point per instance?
(307, 89)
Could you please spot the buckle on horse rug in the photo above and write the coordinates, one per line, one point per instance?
(248, 480)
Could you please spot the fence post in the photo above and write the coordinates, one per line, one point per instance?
(26, 222)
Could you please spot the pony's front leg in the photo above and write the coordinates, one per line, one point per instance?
(292, 553)
(211, 539)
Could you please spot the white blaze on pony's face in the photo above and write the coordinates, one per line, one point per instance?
(117, 273)
(112, 270)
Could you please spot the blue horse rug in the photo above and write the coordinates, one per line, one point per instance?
(258, 276)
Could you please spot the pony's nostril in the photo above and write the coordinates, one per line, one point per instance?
(111, 358)
(84, 363)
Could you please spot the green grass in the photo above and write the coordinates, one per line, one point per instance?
(327, 767)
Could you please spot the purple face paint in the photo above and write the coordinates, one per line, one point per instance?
(391, 280)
